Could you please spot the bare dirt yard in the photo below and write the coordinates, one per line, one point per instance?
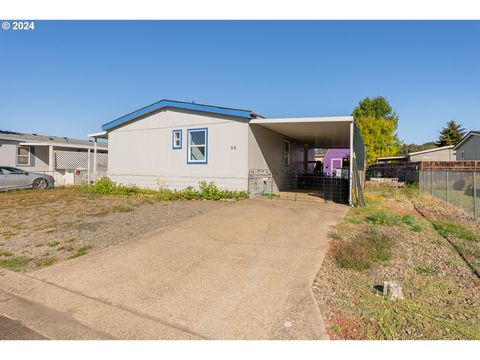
(427, 246)
(40, 228)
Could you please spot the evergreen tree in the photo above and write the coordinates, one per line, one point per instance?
(451, 135)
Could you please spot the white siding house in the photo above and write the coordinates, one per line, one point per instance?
(143, 152)
(176, 144)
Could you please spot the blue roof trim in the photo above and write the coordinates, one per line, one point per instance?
(180, 105)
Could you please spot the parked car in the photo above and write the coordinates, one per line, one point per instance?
(13, 178)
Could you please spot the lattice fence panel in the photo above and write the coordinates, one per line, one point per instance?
(70, 160)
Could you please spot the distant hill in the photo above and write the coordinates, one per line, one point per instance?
(409, 148)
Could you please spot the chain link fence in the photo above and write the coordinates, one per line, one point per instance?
(302, 187)
(83, 176)
(459, 188)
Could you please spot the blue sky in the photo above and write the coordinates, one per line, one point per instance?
(69, 77)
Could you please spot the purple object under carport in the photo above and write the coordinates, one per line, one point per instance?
(334, 159)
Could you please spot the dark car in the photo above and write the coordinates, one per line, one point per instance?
(14, 178)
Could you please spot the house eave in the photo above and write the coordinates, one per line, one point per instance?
(466, 137)
(162, 104)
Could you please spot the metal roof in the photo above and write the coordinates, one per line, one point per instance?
(431, 150)
(248, 114)
(46, 139)
(471, 133)
(392, 158)
(323, 132)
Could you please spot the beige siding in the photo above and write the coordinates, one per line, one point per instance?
(470, 149)
(437, 155)
(38, 156)
(141, 152)
(266, 150)
(8, 153)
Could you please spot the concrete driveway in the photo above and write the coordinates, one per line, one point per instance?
(243, 271)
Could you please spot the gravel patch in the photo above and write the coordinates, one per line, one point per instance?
(442, 293)
(48, 227)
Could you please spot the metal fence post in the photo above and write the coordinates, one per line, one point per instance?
(446, 186)
(475, 207)
(431, 182)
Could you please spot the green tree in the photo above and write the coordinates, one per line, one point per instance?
(450, 135)
(377, 123)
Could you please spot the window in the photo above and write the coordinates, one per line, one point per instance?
(462, 155)
(177, 139)
(286, 152)
(10, 170)
(197, 146)
(23, 155)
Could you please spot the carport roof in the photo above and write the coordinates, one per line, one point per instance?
(323, 132)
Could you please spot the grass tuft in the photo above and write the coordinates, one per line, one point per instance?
(382, 217)
(360, 253)
(5, 253)
(15, 263)
(80, 252)
(446, 229)
(46, 261)
(427, 270)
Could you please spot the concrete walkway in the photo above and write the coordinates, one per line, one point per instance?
(243, 271)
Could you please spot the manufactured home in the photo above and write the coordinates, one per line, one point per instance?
(177, 144)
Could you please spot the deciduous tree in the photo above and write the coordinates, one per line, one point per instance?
(377, 123)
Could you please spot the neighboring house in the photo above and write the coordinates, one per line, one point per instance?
(392, 160)
(177, 144)
(334, 159)
(469, 147)
(444, 153)
(52, 155)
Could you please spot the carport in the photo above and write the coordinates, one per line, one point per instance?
(339, 132)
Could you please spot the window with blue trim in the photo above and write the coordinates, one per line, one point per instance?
(177, 139)
(197, 146)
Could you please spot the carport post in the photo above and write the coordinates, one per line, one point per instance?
(350, 178)
(50, 160)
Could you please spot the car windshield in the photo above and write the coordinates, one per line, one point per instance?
(11, 170)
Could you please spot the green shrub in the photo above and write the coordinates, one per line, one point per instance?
(381, 217)
(446, 229)
(206, 191)
(360, 253)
